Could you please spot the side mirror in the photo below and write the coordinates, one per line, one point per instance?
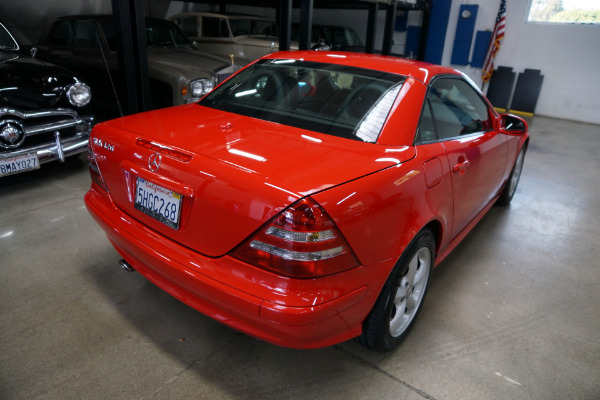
(512, 124)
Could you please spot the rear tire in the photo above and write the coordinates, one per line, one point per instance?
(400, 300)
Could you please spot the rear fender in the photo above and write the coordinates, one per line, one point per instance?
(381, 213)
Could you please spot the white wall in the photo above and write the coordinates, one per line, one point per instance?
(568, 56)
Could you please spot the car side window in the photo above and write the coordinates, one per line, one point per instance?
(214, 27)
(353, 38)
(241, 27)
(426, 131)
(60, 34)
(339, 36)
(75, 34)
(188, 25)
(457, 108)
(85, 35)
(110, 34)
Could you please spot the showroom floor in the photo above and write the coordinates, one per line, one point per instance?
(513, 313)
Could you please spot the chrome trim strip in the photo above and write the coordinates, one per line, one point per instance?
(53, 126)
(40, 113)
(18, 47)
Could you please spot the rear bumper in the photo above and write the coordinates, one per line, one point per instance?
(287, 312)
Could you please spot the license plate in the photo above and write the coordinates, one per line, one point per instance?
(16, 164)
(159, 203)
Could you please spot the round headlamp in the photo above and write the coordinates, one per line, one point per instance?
(200, 87)
(79, 94)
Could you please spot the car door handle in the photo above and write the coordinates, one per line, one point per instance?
(461, 166)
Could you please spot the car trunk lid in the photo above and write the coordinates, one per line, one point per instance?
(234, 172)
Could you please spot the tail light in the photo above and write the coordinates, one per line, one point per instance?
(94, 170)
(300, 242)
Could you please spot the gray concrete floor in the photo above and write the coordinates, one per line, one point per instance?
(513, 313)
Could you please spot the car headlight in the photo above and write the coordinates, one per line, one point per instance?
(200, 87)
(79, 94)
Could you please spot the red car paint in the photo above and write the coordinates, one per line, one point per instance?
(236, 173)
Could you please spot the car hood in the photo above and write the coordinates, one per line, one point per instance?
(31, 84)
(242, 169)
(271, 42)
(257, 40)
(183, 61)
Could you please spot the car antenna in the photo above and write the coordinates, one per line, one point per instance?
(112, 84)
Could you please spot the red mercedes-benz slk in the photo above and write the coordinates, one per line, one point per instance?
(306, 200)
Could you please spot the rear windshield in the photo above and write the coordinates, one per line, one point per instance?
(332, 99)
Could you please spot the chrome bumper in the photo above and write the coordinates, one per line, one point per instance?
(51, 134)
(58, 150)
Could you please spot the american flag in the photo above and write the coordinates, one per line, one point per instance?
(497, 35)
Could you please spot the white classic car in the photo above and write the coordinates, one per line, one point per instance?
(246, 37)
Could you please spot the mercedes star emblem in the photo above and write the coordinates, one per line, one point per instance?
(154, 162)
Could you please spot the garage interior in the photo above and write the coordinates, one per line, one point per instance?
(512, 313)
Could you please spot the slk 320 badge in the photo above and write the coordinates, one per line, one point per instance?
(104, 145)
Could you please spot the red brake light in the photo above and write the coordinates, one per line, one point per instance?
(176, 154)
(301, 242)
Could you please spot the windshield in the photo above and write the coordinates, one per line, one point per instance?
(7, 42)
(248, 26)
(332, 99)
(158, 33)
(165, 33)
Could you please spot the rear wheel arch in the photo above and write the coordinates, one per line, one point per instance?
(526, 144)
(435, 227)
(399, 301)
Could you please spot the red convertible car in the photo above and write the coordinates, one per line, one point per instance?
(306, 200)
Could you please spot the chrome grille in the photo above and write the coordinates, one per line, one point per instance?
(39, 127)
(226, 72)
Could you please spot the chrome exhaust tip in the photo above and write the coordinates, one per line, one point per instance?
(125, 265)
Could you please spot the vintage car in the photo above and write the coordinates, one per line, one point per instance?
(178, 72)
(44, 109)
(246, 37)
(306, 200)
